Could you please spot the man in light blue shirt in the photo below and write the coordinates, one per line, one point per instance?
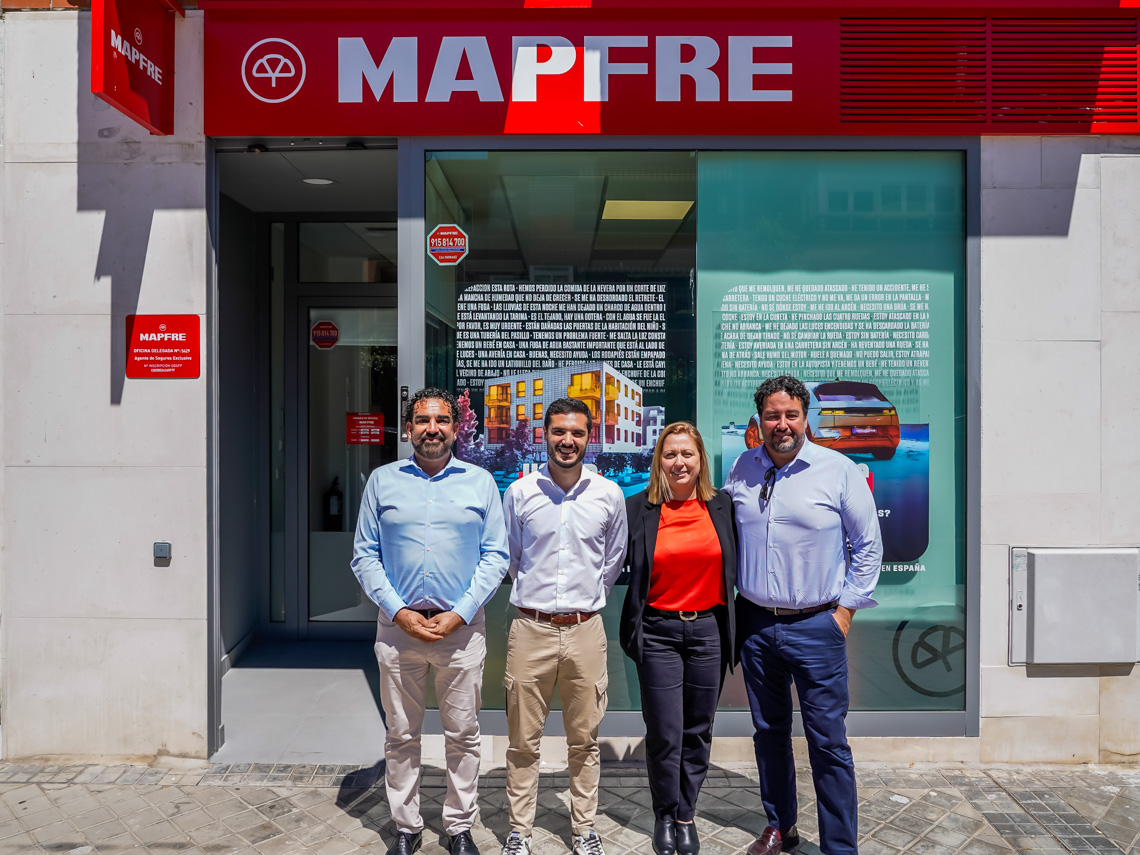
(430, 551)
(809, 555)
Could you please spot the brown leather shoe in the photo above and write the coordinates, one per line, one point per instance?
(767, 843)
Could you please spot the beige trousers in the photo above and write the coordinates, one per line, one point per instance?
(541, 656)
(458, 664)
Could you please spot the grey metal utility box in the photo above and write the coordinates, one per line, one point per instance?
(1074, 606)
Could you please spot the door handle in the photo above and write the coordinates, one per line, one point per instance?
(400, 414)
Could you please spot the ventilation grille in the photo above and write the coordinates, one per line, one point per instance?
(929, 70)
(990, 71)
(1063, 70)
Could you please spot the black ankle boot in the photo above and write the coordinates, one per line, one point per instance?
(664, 836)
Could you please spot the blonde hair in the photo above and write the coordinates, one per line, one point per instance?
(659, 492)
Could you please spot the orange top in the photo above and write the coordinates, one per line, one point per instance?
(687, 573)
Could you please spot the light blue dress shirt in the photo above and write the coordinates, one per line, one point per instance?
(430, 542)
(793, 548)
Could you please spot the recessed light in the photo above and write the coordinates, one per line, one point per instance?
(319, 181)
(645, 209)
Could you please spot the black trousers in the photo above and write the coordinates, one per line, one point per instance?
(681, 673)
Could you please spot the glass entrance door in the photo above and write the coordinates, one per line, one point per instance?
(353, 425)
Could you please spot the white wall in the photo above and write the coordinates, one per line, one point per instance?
(103, 653)
(1060, 320)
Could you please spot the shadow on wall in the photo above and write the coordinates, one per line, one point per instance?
(125, 176)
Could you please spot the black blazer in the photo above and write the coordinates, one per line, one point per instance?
(644, 517)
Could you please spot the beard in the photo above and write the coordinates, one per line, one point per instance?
(566, 464)
(787, 444)
(432, 448)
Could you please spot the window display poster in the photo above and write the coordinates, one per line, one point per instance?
(846, 270)
(521, 345)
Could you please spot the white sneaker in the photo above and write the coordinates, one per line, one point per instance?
(516, 844)
(588, 844)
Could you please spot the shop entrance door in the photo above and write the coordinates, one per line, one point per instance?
(336, 417)
(349, 406)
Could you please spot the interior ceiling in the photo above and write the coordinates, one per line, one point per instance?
(272, 180)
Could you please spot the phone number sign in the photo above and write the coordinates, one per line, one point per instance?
(162, 346)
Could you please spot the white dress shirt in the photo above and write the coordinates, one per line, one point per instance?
(566, 547)
(814, 540)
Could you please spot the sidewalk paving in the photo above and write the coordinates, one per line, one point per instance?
(924, 809)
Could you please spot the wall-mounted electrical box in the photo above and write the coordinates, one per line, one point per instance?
(1074, 606)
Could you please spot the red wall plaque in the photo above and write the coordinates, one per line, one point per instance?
(163, 346)
(364, 428)
(132, 59)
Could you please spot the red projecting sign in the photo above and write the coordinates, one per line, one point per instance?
(364, 428)
(163, 346)
(132, 59)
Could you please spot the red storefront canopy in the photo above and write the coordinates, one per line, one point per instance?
(398, 68)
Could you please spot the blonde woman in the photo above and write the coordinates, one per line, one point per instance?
(677, 624)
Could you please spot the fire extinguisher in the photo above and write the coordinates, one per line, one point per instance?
(334, 507)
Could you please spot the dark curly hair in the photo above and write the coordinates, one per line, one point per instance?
(425, 394)
(784, 383)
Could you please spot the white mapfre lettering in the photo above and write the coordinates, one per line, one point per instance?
(742, 68)
(162, 336)
(598, 68)
(397, 68)
(355, 65)
(670, 68)
(445, 76)
(526, 67)
(135, 56)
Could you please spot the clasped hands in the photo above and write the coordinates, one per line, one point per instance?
(427, 629)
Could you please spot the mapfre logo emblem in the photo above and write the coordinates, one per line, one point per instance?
(273, 70)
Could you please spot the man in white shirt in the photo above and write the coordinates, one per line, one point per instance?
(566, 529)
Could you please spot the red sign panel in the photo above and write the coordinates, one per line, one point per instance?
(396, 68)
(324, 72)
(325, 334)
(447, 244)
(364, 428)
(163, 346)
(132, 59)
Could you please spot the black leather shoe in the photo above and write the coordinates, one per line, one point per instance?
(462, 844)
(405, 843)
(664, 836)
(790, 842)
(687, 841)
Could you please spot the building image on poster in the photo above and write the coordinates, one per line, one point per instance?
(849, 275)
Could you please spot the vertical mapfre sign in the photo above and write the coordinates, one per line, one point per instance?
(132, 59)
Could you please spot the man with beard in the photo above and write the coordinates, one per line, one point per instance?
(430, 551)
(566, 528)
(809, 555)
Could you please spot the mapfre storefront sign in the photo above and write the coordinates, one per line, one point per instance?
(314, 73)
(132, 59)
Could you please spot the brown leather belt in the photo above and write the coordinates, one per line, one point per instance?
(810, 610)
(558, 618)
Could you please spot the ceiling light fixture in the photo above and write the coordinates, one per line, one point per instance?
(645, 209)
(321, 182)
